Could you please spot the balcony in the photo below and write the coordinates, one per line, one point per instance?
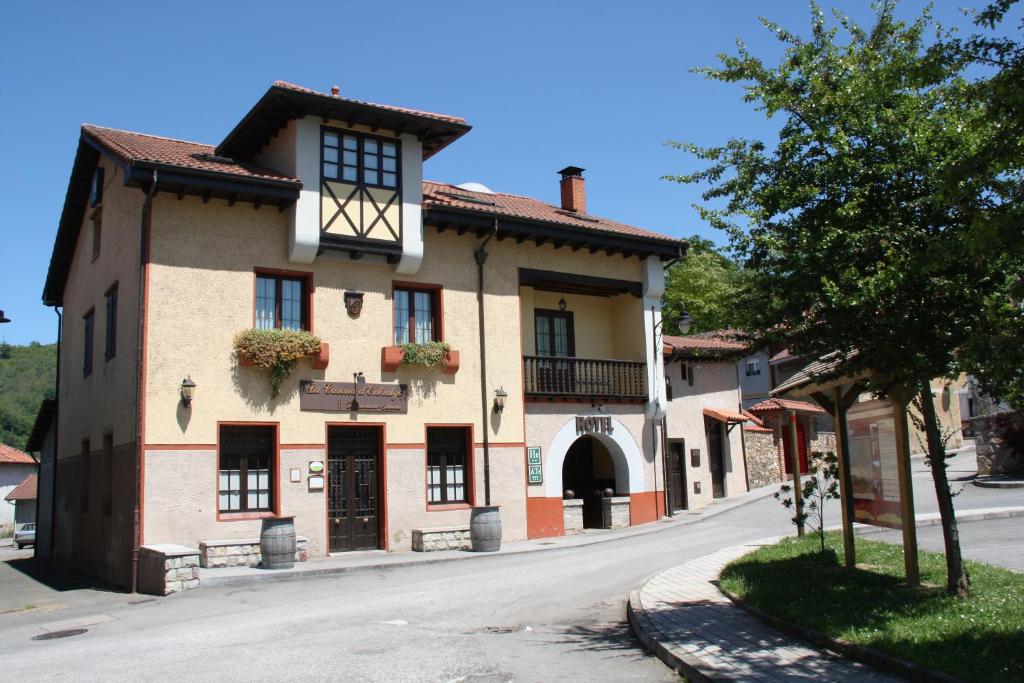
(564, 377)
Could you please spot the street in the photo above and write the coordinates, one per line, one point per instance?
(536, 616)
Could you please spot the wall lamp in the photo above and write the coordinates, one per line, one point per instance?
(500, 396)
(188, 390)
(684, 324)
(3, 318)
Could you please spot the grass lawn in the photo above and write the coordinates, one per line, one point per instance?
(979, 638)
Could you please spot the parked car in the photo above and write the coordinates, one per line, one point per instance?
(26, 535)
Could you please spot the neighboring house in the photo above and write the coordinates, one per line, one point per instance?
(778, 415)
(23, 499)
(312, 214)
(15, 467)
(704, 423)
(755, 377)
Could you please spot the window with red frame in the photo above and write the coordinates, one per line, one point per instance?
(417, 315)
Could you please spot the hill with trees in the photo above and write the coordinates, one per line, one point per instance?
(28, 374)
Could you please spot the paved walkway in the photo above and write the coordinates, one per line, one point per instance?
(685, 619)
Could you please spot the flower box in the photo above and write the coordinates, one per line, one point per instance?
(392, 358)
(318, 360)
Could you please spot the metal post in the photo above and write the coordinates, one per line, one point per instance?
(845, 480)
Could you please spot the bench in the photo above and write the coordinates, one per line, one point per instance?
(441, 538)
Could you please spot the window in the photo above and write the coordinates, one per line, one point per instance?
(108, 474)
(246, 476)
(96, 193)
(355, 158)
(110, 349)
(83, 491)
(89, 320)
(555, 333)
(282, 302)
(447, 464)
(416, 310)
(97, 233)
(668, 387)
(753, 367)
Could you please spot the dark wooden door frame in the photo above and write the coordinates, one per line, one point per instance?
(680, 458)
(570, 326)
(376, 442)
(714, 456)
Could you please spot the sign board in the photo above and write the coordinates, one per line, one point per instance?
(534, 467)
(594, 424)
(352, 396)
(874, 470)
(316, 466)
(316, 482)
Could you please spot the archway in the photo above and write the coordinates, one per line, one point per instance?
(587, 471)
(627, 458)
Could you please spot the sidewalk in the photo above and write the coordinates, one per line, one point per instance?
(381, 559)
(682, 617)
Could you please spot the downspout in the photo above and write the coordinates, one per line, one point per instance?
(485, 408)
(743, 437)
(144, 229)
(56, 443)
(664, 419)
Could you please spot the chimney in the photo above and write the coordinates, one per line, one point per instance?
(574, 192)
(335, 91)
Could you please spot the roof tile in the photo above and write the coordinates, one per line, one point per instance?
(715, 340)
(785, 404)
(11, 455)
(26, 490)
(405, 110)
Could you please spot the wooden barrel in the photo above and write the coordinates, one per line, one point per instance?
(277, 543)
(485, 529)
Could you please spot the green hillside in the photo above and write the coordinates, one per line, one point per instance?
(27, 376)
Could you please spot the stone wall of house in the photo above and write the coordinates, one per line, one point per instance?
(999, 441)
(762, 458)
(823, 443)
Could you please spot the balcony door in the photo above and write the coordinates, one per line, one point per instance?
(555, 338)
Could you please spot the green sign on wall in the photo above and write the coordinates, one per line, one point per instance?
(535, 471)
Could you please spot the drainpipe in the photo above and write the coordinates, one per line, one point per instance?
(56, 443)
(481, 258)
(144, 228)
(743, 438)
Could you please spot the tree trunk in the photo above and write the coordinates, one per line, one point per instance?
(957, 582)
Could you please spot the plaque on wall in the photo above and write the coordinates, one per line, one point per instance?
(352, 396)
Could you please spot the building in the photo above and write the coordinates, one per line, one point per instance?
(23, 499)
(15, 467)
(42, 442)
(534, 366)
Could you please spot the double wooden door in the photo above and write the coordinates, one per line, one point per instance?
(676, 475)
(555, 338)
(353, 488)
(716, 457)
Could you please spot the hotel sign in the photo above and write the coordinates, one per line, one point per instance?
(535, 471)
(594, 424)
(353, 397)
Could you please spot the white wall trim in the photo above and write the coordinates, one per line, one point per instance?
(626, 455)
(304, 217)
(412, 206)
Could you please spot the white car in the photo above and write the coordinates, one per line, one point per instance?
(26, 535)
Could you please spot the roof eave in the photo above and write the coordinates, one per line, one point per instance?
(280, 105)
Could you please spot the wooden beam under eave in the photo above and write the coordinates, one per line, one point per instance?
(441, 227)
(612, 251)
(206, 197)
(181, 193)
(257, 203)
(355, 254)
(461, 230)
(558, 244)
(520, 238)
(282, 206)
(594, 248)
(576, 246)
(539, 241)
(232, 199)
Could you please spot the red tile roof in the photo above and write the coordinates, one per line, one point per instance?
(404, 110)
(781, 357)
(11, 455)
(725, 415)
(785, 404)
(527, 208)
(129, 146)
(715, 340)
(26, 490)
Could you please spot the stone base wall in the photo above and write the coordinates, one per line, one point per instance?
(762, 458)
(825, 442)
(999, 440)
(166, 569)
(241, 553)
(572, 511)
(441, 538)
(616, 512)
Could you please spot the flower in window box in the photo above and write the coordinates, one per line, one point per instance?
(277, 350)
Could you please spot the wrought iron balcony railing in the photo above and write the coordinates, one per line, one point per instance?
(584, 377)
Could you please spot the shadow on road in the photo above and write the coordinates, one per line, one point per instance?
(58, 578)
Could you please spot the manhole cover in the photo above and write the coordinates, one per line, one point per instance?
(60, 634)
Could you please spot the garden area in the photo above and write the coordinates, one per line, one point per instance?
(979, 637)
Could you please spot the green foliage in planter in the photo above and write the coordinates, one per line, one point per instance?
(276, 350)
(428, 355)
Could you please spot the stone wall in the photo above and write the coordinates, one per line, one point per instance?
(762, 458)
(616, 512)
(825, 442)
(166, 569)
(241, 553)
(999, 441)
(572, 511)
(441, 538)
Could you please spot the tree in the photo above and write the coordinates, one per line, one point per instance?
(705, 284)
(856, 227)
(819, 486)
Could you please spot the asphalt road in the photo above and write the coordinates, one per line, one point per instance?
(536, 616)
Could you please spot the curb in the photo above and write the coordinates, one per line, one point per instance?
(664, 524)
(690, 668)
(996, 483)
(859, 653)
(695, 669)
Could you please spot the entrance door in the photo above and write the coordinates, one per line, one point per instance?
(716, 458)
(353, 457)
(787, 448)
(555, 337)
(588, 470)
(677, 475)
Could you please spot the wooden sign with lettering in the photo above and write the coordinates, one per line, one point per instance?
(594, 424)
(353, 397)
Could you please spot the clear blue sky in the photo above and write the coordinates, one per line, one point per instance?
(600, 85)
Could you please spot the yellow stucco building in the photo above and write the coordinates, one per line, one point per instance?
(313, 215)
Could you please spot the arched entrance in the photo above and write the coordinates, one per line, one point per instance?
(587, 471)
